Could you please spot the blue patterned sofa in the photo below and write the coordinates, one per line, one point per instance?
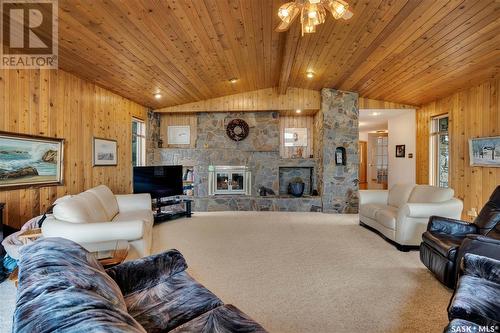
(63, 288)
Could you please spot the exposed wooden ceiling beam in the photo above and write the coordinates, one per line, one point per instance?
(288, 55)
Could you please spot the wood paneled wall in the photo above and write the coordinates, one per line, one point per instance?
(474, 112)
(269, 99)
(178, 119)
(54, 103)
(258, 100)
(367, 103)
(297, 122)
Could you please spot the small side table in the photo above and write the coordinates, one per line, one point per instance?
(25, 237)
(113, 254)
(30, 235)
(14, 276)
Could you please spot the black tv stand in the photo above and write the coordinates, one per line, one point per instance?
(167, 216)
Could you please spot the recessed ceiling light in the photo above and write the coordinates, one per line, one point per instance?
(157, 95)
(298, 111)
(375, 113)
(233, 80)
(310, 75)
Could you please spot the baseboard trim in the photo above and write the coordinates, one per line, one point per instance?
(402, 248)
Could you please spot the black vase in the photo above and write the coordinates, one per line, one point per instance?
(296, 189)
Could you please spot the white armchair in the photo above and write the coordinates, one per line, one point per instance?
(402, 213)
(97, 216)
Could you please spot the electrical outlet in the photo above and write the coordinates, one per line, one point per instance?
(472, 212)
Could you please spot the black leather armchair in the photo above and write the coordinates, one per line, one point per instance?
(441, 242)
(474, 306)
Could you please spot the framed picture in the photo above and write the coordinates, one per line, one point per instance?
(400, 151)
(104, 152)
(485, 151)
(28, 161)
(179, 135)
(295, 137)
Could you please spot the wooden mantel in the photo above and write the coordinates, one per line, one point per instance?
(257, 100)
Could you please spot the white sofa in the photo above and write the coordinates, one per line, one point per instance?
(97, 218)
(402, 213)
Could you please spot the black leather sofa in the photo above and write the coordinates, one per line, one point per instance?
(442, 243)
(475, 305)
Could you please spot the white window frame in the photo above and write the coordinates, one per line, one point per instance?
(434, 150)
(141, 141)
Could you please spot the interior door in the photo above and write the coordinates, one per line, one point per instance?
(363, 180)
(377, 161)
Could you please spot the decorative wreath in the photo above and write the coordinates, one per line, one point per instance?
(237, 129)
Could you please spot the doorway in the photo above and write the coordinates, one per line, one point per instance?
(378, 161)
(363, 179)
(381, 131)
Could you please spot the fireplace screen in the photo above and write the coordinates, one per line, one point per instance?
(222, 181)
(229, 180)
(237, 181)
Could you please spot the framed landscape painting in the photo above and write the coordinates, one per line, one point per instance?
(27, 161)
(105, 152)
(485, 151)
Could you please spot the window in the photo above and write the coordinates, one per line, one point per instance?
(439, 152)
(138, 142)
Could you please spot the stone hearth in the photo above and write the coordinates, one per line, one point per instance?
(288, 173)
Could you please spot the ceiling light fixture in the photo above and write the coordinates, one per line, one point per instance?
(375, 113)
(298, 111)
(310, 74)
(157, 95)
(233, 80)
(312, 13)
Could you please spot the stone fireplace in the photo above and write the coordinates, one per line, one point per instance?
(226, 179)
(229, 175)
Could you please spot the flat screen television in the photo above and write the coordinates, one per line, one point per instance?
(159, 181)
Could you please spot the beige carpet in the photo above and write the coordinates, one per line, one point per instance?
(301, 272)
(308, 272)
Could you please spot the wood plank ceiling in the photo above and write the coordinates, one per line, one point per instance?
(407, 51)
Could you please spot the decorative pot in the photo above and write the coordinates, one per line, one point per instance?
(296, 189)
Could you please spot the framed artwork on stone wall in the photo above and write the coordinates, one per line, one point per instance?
(295, 137)
(179, 135)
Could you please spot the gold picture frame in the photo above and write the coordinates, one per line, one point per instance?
(30, 161)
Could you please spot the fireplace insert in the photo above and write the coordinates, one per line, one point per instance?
(229, 180)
